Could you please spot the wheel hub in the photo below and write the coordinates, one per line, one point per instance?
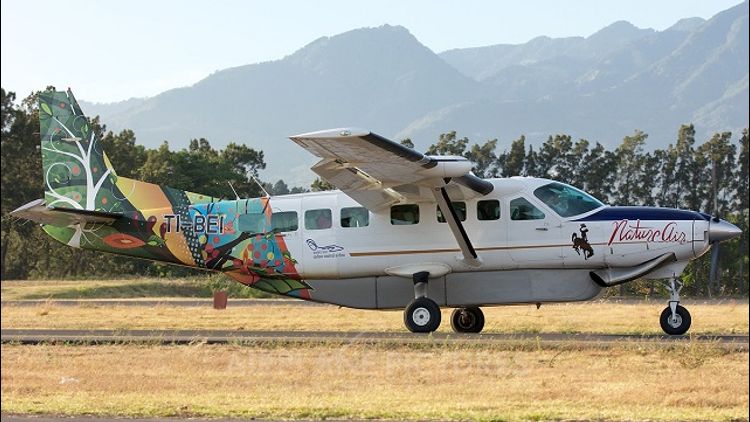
(466, 320)
(421, 316)
(675, 321)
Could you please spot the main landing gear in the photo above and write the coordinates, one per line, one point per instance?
(422, 315)
(675, 319)
(467, 320)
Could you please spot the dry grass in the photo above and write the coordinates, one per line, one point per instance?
(41, 289)
(123, 288)
(591, 317)
(365, 382)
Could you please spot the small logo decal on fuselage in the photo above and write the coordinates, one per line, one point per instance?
(329, 251)
(581, 243)
(208, 224)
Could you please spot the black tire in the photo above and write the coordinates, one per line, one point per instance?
(422, 315)
(682, 324)
(467, 320)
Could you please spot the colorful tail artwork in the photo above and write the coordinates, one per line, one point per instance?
(87, 205)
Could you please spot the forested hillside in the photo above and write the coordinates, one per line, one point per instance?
(709, 175)
(384, 79)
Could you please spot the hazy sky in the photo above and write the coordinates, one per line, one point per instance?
(113, 50)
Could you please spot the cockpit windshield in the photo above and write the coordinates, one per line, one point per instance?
(566, 200)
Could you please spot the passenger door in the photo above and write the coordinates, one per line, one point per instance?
(534, 234)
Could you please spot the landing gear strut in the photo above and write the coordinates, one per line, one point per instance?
(422, 315)
(467, 320)
(675, 319)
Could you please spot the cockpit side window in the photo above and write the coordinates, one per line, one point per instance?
(521, 209)
(566, 200)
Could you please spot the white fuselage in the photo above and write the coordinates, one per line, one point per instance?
(502, 244)
(520, 260)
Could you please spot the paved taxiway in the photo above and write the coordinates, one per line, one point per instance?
(38, 336)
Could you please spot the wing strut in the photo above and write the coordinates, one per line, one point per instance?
(446, 206)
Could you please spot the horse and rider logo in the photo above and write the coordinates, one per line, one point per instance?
(581, 243)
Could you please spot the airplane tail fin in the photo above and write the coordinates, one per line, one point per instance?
(77, 172)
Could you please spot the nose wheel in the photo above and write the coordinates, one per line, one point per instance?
(675, 320)
(467, 320)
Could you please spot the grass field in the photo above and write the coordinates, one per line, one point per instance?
(590, 317)
(692, 382)
(123, 288)
(625, 381)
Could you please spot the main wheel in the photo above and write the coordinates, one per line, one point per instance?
(467, 320)
(678, 325)
(422, 315)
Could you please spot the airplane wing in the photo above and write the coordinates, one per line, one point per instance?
(377, 172)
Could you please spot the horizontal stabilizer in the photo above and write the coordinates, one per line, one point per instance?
(62, 217)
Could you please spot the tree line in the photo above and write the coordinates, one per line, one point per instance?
(710, 177)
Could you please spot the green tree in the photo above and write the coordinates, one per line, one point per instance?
(158, 167)
(319, 185)
(484, 158)
(21, 170)
(279, 188)
(630, 168)
(741, 191)
(577, 163)
(407, 143)
(666, 193)
(530, 164)
(513, 161)
(718, 154)
(448, 144)
(598, 174)
(126, 157)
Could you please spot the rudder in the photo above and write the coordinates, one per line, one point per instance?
(77, 172)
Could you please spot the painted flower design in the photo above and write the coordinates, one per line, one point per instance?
(123, 241)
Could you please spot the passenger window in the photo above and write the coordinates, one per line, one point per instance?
(355, 217)
(285, 221)
(318, 219)
(252, 223)
(404, 214)
(488, 210)
(521, 209)
(460, 208)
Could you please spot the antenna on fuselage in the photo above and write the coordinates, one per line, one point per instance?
(236, 196)
(268, 195)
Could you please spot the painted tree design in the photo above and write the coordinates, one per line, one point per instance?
(77, 173)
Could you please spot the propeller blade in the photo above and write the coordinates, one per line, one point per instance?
(714, 262)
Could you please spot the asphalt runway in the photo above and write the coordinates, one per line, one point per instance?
(182, 337)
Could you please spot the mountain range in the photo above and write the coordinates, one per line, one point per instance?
(601, 87)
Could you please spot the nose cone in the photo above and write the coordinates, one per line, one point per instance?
(719, 231)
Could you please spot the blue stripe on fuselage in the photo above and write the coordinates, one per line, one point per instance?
(642, 213)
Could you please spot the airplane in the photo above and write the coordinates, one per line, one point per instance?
(405, 231)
